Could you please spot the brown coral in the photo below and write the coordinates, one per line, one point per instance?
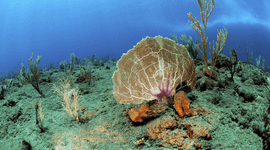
(147, 66)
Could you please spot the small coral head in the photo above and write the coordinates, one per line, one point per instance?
(164, 92)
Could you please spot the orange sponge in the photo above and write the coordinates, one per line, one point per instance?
(137, 116)
(181, 104)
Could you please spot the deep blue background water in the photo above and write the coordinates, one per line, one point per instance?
(55, 29)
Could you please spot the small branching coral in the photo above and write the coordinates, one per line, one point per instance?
(70, 97)
(32, 76)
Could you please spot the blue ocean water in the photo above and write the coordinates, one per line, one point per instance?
(55, 29)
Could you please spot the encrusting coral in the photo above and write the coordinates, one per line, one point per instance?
(150, 64)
